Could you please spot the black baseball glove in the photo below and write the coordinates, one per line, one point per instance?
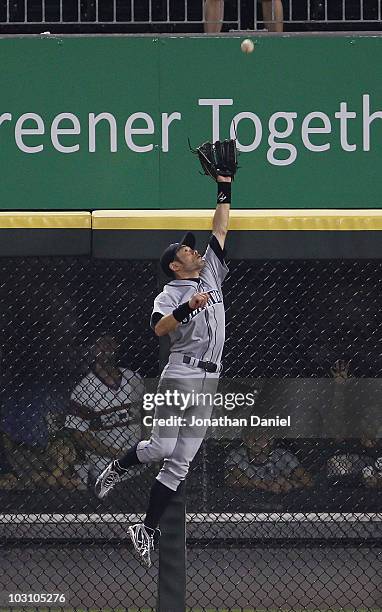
(218, 158)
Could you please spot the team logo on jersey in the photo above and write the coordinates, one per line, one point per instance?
(215, 298)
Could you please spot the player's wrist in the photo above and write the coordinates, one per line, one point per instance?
(224, 193)
(182, 312)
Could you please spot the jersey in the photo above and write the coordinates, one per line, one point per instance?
(202, 334)
(93, 393)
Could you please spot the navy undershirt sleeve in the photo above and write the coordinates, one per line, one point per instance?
(215, 246)
(155, 317)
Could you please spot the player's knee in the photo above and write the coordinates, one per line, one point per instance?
(167, 450)
(157, 449)
(164, 448)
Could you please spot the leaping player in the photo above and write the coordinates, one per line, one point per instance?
(190, 310)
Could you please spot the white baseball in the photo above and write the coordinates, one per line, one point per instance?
(247, 46)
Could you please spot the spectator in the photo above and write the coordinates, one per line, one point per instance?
(372, 474)
(105, 408)
(353, 423)
(354, 417)
(37, 450)
(273, 15)
(335, 418)
(23, 414)
(355, 463)
(261, 465)
(45, 462)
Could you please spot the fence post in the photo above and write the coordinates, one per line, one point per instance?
(172, 556)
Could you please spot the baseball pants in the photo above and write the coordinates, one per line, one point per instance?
(178, 444)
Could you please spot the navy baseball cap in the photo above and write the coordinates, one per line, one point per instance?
(169, 254)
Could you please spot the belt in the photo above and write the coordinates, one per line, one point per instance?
(207, 366)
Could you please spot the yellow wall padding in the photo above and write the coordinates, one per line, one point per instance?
(241, 220)
(45, 220)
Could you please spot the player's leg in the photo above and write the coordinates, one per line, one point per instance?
(145, 536)
(161, 444)
(175, 467)
(146, 451)
(174, 471)
(176, 464)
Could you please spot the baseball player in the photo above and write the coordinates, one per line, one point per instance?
(190, 311)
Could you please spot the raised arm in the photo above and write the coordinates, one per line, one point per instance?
(221, 216)
(219, 162)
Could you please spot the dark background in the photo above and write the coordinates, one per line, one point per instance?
(285, 320)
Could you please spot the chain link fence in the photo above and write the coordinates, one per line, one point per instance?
(286, 518)
(189, 15)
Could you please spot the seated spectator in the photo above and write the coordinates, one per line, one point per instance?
(34, 450)
(355, 463)
(105, 409)
(354, 411)
(44, 464)
(372, 474)
(262, 465)
(37, 451)
(273, 15)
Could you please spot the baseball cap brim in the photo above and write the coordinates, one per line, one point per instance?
(168, 254)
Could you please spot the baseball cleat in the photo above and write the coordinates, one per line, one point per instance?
(106, 481)
(144, 540)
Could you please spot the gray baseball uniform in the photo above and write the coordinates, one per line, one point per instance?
(202, 334)
(200, 337)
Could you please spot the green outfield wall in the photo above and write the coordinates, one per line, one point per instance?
(102, 122)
